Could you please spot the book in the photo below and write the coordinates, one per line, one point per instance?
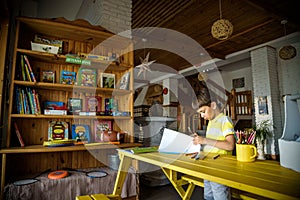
(23, 69)
(19, 135)
(28, 77)
(83, 113)
(81, 133)
(58, 130)
(29, 68)
(124, 82)
(175, 142)
(58, 143)
(111, 106)
(47, 76)
(87, 77)
(93, 103)
(67, 77)
(99, 127)
(54, 105)
(107, 80)
(137, 150)
(55, 112)
(74, 105)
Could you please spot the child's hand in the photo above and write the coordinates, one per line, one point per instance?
(198, 139)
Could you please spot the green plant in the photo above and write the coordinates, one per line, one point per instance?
(263, 130)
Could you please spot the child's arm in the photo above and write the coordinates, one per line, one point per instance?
(227, 144)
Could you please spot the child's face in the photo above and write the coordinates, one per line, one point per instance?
(207, 112)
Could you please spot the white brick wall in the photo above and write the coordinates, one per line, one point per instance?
(115, 16)
(265, 83)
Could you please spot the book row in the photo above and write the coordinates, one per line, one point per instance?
(61, 132)
(27, 101)
(84, 76)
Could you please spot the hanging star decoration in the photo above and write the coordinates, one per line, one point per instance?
(144, 66)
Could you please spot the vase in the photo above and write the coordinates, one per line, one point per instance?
(260, 150)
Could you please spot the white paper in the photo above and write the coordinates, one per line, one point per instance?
(176, 142)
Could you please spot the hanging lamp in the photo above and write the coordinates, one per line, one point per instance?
(287, 52)
(222, 28)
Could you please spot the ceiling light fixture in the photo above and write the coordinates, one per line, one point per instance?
(222, 28)
(287, 52)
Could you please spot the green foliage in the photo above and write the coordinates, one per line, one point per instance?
(263, 130)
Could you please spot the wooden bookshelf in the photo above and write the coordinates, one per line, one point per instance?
(78, 37)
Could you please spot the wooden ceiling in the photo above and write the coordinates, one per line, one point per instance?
(254, 22)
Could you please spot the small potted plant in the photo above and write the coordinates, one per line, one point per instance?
(263, 131)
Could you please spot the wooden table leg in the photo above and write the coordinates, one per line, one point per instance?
(125, 163)
(178, 183)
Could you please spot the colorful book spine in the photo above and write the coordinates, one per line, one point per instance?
(30, 100)
(23, 68)
(28, 73)
(20, 101)
(19, 135)
(30, 69)
(37, 101)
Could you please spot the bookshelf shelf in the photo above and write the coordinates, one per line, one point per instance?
(65, 87)
(33, 116)
(42, 149)
(58, 58)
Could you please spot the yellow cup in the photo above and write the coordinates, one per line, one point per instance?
(245, 152)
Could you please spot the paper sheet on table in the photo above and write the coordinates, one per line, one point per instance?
(176, 142)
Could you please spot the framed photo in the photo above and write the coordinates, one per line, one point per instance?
(93, 103)
(99, 127)
(47, 76)
(262, 105)
(87, 77)
(107, 80)
(67, 77)
(238, 83)
(74, 105)
(125, 81)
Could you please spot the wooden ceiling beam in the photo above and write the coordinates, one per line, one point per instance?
(240, 33)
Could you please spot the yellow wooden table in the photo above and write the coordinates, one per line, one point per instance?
(264, 178)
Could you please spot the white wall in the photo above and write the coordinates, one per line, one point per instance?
(244, 71)
(289, 73)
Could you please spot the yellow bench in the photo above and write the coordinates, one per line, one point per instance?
(99, 197)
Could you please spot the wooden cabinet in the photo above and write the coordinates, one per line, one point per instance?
(78, 38)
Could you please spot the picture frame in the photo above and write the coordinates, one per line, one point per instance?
(99, 127)
(74, 105)
(87, 77)
(263, 105)
(47, 76)
(107, 80)
(93, 103)
(124, 81)
(238, 82)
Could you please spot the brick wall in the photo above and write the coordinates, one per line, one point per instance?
(115, 16)
(265, 83)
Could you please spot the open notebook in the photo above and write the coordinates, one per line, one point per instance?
(177, 143)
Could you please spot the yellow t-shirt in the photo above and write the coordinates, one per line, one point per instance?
(218, 129)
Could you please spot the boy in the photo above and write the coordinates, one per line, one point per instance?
(219, 139)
